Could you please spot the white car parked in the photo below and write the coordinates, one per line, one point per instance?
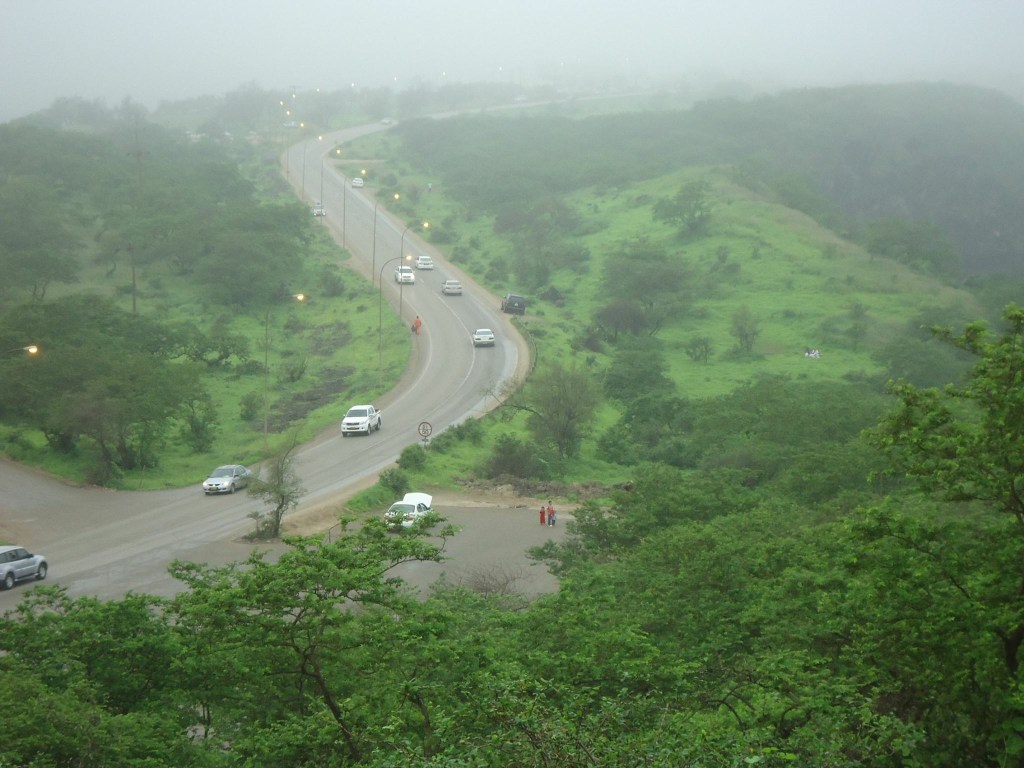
(406, 512)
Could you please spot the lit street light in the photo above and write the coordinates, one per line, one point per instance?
(401, 246)
(32, 349)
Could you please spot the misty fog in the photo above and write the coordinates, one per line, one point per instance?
(153, 52)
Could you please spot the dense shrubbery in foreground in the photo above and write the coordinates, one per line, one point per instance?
(741, 629)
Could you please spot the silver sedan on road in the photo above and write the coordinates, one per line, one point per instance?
(227, 479)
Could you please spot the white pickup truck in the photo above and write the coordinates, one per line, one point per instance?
(361, 420)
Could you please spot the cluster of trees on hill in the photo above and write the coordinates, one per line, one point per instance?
(696, 625)
(108, 233)
(943, 163)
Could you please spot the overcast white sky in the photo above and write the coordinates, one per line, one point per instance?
(156, 50)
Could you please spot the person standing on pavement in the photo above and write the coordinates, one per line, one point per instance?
(542, 512)
(551, 513)
(417, 324)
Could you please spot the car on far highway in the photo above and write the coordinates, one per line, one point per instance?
(404, 274)
(406, 512)
(17, 563)
(318, 209)
(357, 181)
(451, 288)
(483, 337)
(227, 479)
(424, 262)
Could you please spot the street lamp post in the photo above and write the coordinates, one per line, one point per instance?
(373, 263)
(426, 225)
(32, 349)
(401, 246)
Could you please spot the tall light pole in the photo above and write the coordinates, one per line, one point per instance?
(401, 245)
(266, 367)
(401, 251)
(305, 151)
(373, 264)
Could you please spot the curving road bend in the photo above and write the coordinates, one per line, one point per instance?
(107, 543)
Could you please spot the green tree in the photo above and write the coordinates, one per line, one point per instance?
(561, 402)
(36, 248)
(966, 442)
(637, 370)
(657, 284)
(745, 329)
(307, 643)
(280, 488)
(699, 348)
(690, 208)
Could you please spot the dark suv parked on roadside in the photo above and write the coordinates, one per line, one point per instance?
(513, 304)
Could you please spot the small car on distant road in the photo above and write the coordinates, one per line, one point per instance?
(227, 479)
(424, 262)
(451, 288)
(405, 274)
(17, 563)
(318, 209)
(483, 337)
(357, 181)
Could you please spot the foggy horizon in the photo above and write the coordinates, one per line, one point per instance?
(112, 50)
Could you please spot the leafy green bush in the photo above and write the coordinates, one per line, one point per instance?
(249, 408)
(395, 480)
(413, 457)
(511, 456)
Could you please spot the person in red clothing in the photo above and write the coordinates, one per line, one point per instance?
(542, 512)
(417, 324)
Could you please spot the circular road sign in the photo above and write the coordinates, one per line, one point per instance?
(425, 429)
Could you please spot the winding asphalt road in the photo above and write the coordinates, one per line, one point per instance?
(107, 543)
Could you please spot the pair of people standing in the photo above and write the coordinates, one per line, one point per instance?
(547, 514)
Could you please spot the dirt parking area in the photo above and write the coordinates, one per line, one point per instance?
(490, 551)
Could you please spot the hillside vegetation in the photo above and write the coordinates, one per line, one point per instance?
(947, 156)
(777, 558)
(186, 315)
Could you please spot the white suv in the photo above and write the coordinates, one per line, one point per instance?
(424, 262)
(405, 274)
(17, 563)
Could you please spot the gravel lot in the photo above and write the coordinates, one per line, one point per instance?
(496, 530)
